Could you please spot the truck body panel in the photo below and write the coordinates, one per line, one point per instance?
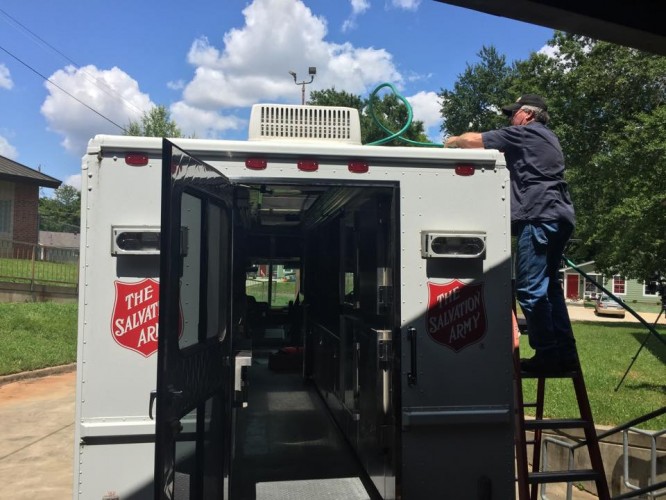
(402, 302)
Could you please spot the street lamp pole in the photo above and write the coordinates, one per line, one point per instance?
(312, 71)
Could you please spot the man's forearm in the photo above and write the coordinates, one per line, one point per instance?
(466, 140)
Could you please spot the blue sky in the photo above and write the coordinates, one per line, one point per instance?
(209, 61)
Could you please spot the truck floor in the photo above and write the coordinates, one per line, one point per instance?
(287, 446)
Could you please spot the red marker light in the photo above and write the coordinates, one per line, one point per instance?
(136, 159)
(358, 167)
(465, 170)
(256, 163)
(308, 165)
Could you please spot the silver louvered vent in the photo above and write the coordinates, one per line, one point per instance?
(304, 123)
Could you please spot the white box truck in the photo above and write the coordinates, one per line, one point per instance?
(296, 315)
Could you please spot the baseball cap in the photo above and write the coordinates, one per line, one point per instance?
(525, 100)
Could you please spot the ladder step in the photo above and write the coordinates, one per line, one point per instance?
(556, 423)
(529, 405)
(567, 374)
(563, 476)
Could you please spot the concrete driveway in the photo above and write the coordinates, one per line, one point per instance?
(37, 440)
(580, 313)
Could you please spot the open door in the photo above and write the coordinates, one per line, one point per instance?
(194, 345)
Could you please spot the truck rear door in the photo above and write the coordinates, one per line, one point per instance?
(194, 344)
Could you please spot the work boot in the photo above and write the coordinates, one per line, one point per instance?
(550, 364)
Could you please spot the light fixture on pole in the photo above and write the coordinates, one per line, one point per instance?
(312, 71)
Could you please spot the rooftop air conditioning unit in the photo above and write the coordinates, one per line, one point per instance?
(304, 123)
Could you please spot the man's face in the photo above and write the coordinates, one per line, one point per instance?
(520, 117)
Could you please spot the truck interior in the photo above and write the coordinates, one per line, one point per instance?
(312, 287)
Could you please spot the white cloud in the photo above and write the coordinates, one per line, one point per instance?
(111, 93)
(278, 36)
(5, 78)
(406, 4)
(349, 24)
(7, 150)
(550, 51)
(413, 77)
(74, 181)
(203, 124)
(358, 8)
(249, 66)
(426, 108)
(177, 85)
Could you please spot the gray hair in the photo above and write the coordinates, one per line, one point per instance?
(540, 115)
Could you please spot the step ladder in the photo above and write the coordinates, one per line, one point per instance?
(528, 482)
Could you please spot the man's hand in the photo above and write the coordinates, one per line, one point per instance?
(451, 142)
(466, 140)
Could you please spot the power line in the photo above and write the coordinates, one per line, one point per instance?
(103, 87)
(62, 89)
(34, 35)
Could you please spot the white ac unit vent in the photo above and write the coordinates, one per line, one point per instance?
(309, 123)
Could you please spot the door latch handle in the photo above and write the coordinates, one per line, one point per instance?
(173, 393)
(412, 375)
(153, 397)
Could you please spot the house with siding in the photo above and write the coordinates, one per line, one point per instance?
(19, 200)
(59, 247)
(577, 287)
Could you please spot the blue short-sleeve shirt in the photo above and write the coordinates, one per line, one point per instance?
(535, 161)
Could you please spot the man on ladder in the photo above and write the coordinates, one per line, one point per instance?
(542, 220)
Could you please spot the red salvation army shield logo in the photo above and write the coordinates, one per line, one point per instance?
(135, 315)
(456, 314)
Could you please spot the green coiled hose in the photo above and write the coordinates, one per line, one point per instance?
(396, 135)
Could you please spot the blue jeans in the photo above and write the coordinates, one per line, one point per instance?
(538, 289)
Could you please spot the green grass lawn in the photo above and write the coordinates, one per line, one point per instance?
(606, 351)
(282, 292)
(38, 335)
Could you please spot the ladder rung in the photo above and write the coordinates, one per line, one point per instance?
(556, 423)
(567, 374)
(529, 405)
(563, 476)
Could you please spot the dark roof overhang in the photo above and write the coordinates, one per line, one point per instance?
(637, 24)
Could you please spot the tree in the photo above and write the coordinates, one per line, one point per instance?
(388, 110)
(62, 213)
(608, 102)
(478, 94)
(630, 223)
(332, 97)
(155, 123)
(607, 105)
(391, 114)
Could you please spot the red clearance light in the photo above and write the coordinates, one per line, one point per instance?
(136, 159)
(256, 163)
(358, 167)
(308, 165)
(465, 170)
